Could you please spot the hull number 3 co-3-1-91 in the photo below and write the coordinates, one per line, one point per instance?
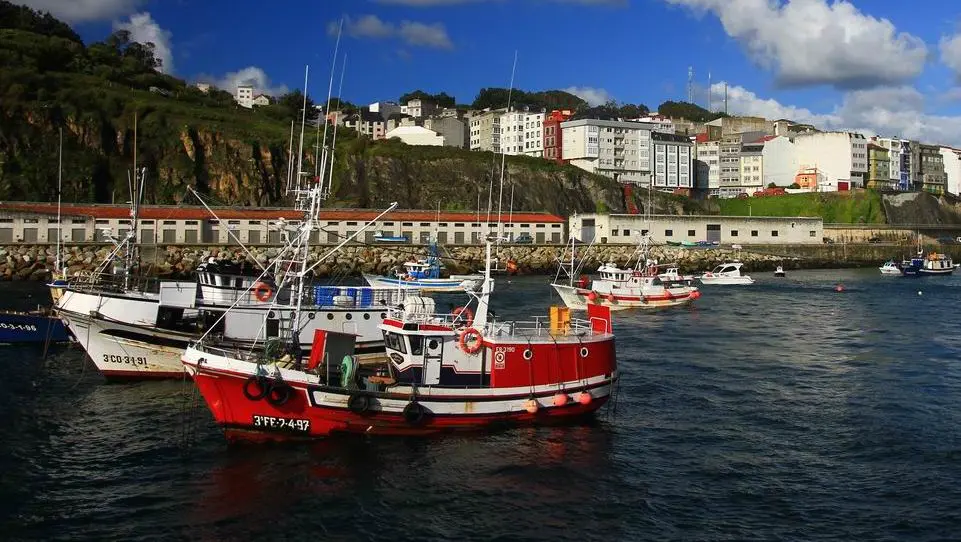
(126, 360)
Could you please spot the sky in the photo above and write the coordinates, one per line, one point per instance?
(883, 67)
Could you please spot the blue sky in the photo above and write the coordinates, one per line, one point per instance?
(880, 66)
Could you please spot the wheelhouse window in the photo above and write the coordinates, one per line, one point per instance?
(393, 341)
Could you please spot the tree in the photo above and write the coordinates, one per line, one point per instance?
(689, 111)
(294, 102)
(771, 185)
(442, 99)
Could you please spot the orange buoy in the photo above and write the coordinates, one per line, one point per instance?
(610, 298)
(592, 296)
(839, 288)
(531, 406)
(560, 399)
(695, 294)
(584, 398)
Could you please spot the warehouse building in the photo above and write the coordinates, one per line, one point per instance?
(170, 225)
(618, 228)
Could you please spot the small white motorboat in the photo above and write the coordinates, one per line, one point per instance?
(890, 267)
(728, 273)
(779, 272)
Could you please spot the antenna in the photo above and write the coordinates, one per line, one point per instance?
(710, 92)
(58, 262)
(725, 97)
(690, 84)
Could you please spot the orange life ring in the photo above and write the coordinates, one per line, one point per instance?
(468, 315)
(262, 291)
(475, 345)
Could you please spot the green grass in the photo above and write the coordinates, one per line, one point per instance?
(859, 207)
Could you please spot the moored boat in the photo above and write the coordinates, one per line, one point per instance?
(444, 372)
(890, 267)
(425, 274)
(934, 263)
(38, 326)
(779, 272)
(728, 273)
(647, 285)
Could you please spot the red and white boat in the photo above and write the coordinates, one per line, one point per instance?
(443, 372)
(647, 285)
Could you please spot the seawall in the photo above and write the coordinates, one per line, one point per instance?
(36, 262)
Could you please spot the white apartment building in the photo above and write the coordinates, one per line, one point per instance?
(245, 96)
(842, 157)
(709, 168)
(729, 156)
(952, 169)
(899, 156)
(661, 123)
(673, 161)
(485, 130)
(420, 108)
(779, 161)
(617, 149)
(752, 167)
(534, 134)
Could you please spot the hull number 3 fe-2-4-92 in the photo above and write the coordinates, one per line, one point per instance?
(283, 424)
(125, 360)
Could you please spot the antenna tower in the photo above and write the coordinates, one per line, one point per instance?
(690, 84)
(710, 93)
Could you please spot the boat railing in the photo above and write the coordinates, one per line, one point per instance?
(538, 326)
(108, 282)
(359, 296)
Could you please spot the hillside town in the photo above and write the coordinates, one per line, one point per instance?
(727, 157)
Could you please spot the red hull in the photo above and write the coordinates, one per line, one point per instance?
(232, 410)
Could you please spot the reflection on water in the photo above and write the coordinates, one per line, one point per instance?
(781, 410)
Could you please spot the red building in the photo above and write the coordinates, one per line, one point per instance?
(552, 134)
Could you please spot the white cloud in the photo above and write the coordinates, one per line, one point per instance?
(888, 111)
(411, 32)
(593, 96)
(252, 76)
(951, 53)
(428, 35)
(812, 42)
(84, 10)
(144, 29)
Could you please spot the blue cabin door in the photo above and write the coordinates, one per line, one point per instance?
(433, 359)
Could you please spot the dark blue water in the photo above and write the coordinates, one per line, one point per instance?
(782, 411)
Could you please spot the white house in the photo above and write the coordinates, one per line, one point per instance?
(416, 135)
(245, 96)
(952, 169)
(780, 161)
(842, 157)
(261, 100)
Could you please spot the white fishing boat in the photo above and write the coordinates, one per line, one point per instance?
(890, 267)
(779, 272)
(425, 274)
(133, 330)
(647, 285)
(728, 273)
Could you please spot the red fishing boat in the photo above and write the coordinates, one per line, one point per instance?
(442, 372)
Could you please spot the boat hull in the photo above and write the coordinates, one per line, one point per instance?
(452, 285)
(126, 351)
(28, 327)
(579, 298)
(318, 411)
(727, 281)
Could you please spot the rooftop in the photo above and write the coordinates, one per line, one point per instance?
(175, 212)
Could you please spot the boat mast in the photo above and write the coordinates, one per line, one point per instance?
(500, 196)
(330, 89)
(57, 263)
(333, 145)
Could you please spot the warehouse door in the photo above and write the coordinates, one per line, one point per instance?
(714, 233)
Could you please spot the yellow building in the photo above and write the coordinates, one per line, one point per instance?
(879, 168)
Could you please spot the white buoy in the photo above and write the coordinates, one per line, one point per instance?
(919, 292)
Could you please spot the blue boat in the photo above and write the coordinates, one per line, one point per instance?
(31, 327)
(379, 237)
(925, 265)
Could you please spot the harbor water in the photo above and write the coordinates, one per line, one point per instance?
(780, 411)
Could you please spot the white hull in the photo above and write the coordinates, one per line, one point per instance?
(727, 281)
(454, 284)
(576, 298)
(126, 351)
(889, 270)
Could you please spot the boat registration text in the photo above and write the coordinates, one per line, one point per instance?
(289, 424)
(126, 360)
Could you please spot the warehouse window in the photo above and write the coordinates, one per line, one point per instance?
(733, 233)
(668, 233)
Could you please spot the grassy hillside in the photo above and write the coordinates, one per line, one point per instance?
(859, 207)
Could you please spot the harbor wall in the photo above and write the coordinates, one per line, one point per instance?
(35, 262)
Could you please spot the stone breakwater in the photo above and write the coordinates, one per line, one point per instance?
(36, 262)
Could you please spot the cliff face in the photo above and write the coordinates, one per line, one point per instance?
(912, 208)
(250, 169)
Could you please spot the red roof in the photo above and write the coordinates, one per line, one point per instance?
(765, 139)
(171, 212)
(701, 138)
